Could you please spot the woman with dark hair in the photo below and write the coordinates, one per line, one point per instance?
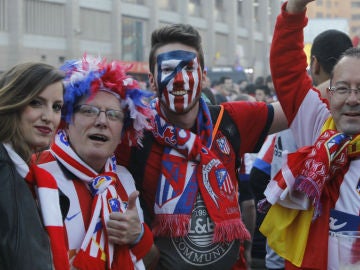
(31, 98)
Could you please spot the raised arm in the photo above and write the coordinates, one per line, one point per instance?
(287, 57)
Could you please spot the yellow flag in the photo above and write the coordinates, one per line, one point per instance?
(287, 231)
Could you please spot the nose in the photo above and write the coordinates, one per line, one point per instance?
(101, 119)
(47, 114)
(178, 79)
(354, 96)
(44, 117)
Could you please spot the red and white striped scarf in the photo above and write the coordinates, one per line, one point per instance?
(96, 252)
(48, 197)
(310, 168)
(189, 166)
(311, 171)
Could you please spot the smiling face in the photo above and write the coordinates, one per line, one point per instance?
(177, 77)
(41, 117)
(94, 138)
(346, 109)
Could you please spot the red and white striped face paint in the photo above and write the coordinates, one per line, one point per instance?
(178, 79)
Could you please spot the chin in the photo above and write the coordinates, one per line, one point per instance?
(99, 155)
(181, 109)
(41, 146)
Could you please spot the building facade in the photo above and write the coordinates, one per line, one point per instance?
(338, 9)
(235, 33)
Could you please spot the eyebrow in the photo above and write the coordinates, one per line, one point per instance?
(45, 99)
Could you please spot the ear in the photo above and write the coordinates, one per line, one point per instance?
(203, 79)
(327, 94)
(152, 82)
(315, 67)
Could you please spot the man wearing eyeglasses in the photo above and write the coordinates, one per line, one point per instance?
(324, 175)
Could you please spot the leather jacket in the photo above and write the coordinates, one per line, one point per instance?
(24, 243)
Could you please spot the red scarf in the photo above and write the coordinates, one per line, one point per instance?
(48, 196)
(96, 252)
(189, 166)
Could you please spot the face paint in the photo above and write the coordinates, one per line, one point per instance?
(178, 79)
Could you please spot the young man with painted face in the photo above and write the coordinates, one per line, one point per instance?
(188, 184)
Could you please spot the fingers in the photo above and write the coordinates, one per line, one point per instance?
(123, 228)
(132, 200)
(297, 6)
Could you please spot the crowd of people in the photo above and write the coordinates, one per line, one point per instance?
(98, 173)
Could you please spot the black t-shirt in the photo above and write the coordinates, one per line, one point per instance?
(196, 250)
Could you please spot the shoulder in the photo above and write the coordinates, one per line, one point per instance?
(245, 107)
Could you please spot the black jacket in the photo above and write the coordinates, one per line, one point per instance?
(24, 243)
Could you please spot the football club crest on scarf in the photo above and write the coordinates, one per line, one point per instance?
(224, 181)
(100, 183)
(114, 205)
(333, 143)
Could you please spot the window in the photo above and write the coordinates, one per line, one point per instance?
(3, 15)
(219, 11)
(132, 39)
(95, 24)
(194, 8)
(355, 29)
(240, 13)
(221, 49)
(355, 17)
(139, 2)
(256, 15)
(355, 4)
(44, 18)
(169, 5)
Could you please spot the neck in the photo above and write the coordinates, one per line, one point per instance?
(96, 165)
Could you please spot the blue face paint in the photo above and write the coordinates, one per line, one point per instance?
(178, 79)
(184, 58)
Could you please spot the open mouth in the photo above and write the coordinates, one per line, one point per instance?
(98, 137)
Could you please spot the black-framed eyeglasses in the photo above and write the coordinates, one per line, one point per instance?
(344, 91)
(93, 111)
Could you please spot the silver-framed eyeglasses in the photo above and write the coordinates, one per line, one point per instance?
(93, 111)
(344, 91)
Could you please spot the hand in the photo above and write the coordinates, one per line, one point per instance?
(124, 228)
(297, 6)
